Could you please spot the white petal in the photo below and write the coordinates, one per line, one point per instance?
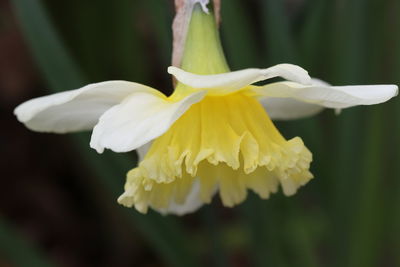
(289, 108)
(142, 150)
(140, 118)
(191, 204)
(330, 96)
(225, 83)
(74, 110)
(319, 82)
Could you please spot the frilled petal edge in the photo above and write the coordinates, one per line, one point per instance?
(75, 110)
(329, 96)
(226, 83)
(140, 118)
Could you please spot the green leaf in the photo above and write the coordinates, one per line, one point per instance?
(59, 69)
(240, 41)
(355, 198)
(367, 228)
(277, 33)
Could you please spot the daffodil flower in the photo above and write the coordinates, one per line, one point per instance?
(214, 134)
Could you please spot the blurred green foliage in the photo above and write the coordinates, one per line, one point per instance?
(348, 215)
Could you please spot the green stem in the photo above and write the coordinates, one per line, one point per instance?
(203, 52)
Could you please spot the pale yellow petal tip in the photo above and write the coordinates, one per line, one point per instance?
(129, 201)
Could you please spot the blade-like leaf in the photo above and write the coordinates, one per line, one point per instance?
(277, 33)
(239, 38)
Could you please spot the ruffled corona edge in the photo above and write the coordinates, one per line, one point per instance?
(222, 144)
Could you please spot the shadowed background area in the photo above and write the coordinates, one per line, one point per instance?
(58, 197)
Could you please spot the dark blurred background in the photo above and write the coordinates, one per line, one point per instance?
(58, 197)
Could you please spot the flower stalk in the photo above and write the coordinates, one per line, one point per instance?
(203, 53)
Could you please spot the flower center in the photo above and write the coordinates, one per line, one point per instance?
(223, 142)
